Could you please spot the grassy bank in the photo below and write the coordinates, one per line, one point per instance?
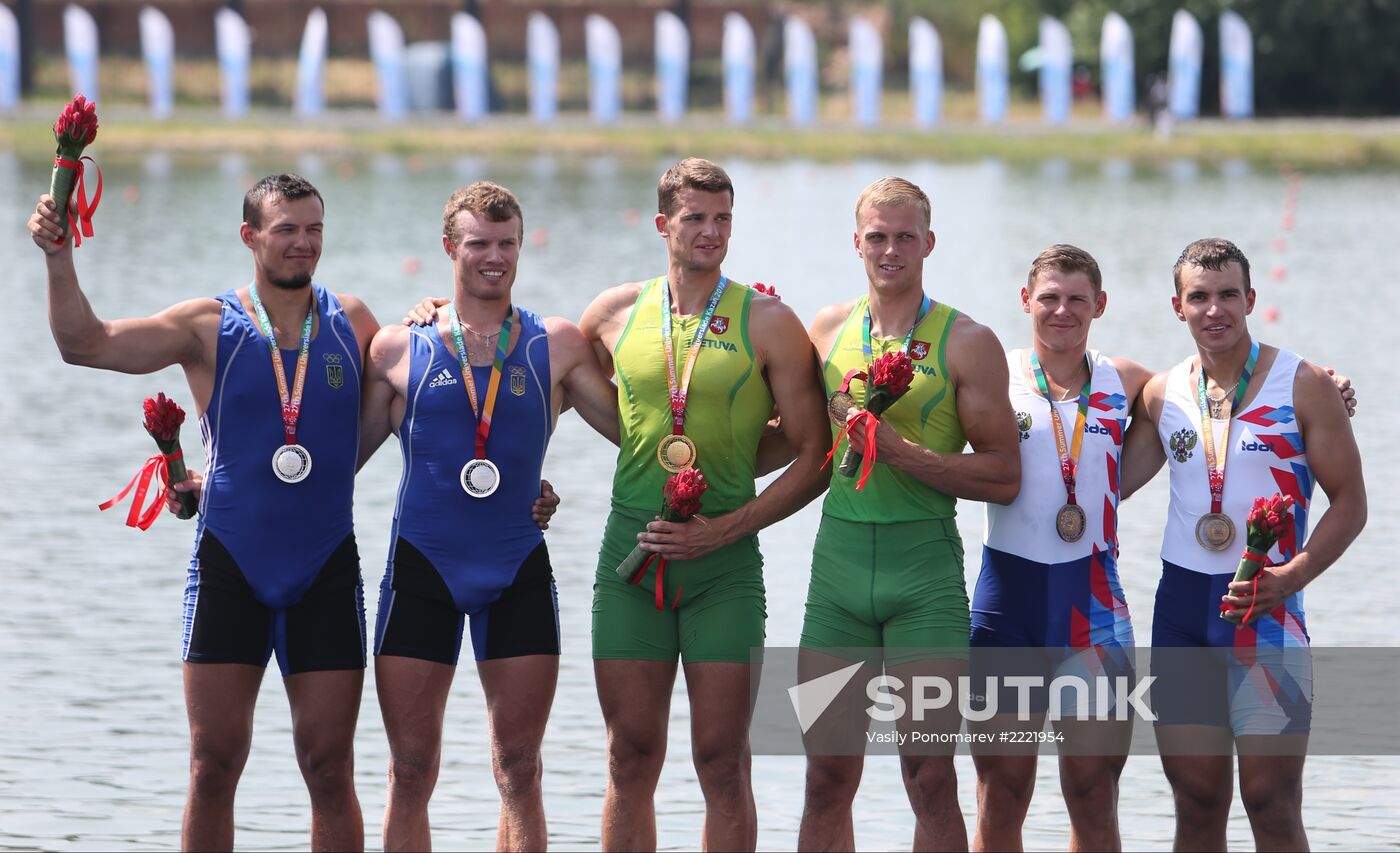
(1296, 143)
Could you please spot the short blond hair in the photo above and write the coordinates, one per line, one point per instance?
(483, 198)
(693, 173)
(894, 192)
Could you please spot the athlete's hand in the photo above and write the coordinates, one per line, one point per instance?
(888, 441)
(425, 312)
(46, 228)
(545, 505)
(683, 540)
(1344, 386)
(1275, 585)
(194, 485)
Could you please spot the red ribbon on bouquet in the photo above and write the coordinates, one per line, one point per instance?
(157, 470)
(660, 580)
(80, 213)
(867, 422)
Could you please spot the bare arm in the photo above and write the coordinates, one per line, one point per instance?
(581, 379)
(379, 398)
(1336, 465)
(1143, 455)
(140, 345)
(992, 472)
(605, 318)
(790, 368)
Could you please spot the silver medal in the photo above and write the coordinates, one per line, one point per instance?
(291, 463)
(480, 478)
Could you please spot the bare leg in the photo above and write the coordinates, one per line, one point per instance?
(927, 765)
(1005, 784)
(635, 696)
(1271, 787)
(412, 699)
(1202, 787)
(1091, 761)
(325, 708)
(219, 700)
(721, 708)
(519, 692)
(832, 782)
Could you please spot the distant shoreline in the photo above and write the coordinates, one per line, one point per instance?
(1299, 143)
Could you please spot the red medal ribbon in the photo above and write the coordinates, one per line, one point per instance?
(156, 468)
(660, 580)
(80, 222)
(868, 423)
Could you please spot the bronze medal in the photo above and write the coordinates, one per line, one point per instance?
(676, 453)
(1215, 531)
(1070, 522)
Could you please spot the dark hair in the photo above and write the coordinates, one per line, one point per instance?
(288, 186)
(483, 198)
(1063, 257)
(691, 173)
(1211, 253)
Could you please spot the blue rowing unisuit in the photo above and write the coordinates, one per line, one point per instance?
(476, 544)
(280, 534)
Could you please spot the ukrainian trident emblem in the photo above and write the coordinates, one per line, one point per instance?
(517, 380)
(335, 372)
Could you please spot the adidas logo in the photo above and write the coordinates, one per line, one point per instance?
(443, 378)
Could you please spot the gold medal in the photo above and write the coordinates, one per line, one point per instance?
(676, 453)
(1070, 522)
(837, 405)
(1215, 531)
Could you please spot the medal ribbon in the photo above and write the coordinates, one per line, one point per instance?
(82, 209)
(868, 351)
(484, 408)
(679, 391)
(155, 470)
(1069, 451)
(1216, 474)
(291, 401)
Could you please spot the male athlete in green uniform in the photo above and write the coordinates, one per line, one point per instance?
(700, 363)
(887, 567)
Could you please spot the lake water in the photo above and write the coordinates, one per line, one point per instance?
(93, 749)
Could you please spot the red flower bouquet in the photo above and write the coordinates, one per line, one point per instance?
(682, 494)
(1268, 522)
(74, 131)
(163, 421)
(766, 289)
(886, 381)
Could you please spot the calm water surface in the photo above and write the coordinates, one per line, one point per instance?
(93, 749)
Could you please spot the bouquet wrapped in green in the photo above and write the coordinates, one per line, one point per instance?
(163, 421)
(682, 494)
(1268, 522)
(74, 131)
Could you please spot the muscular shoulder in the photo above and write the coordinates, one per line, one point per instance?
(566, 341)
(1313, 385)
(829, 319)
(971, 344)
(388, 346)
(1154, 392)
(1133, 375)
(774, 326)
(609, 307)
(361, 318)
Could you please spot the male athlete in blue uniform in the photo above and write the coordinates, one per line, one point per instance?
(473, 399)
(274, 368)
